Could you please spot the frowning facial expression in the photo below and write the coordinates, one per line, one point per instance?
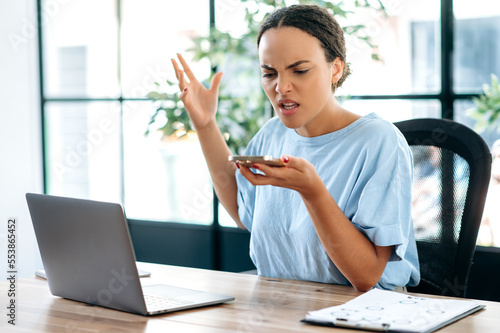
(297, 78)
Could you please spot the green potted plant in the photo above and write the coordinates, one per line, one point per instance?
(486, 110)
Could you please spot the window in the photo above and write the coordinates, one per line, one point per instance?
(477, 54)
(100, 59)
(474, 60)
(406, 39)
(96, 111)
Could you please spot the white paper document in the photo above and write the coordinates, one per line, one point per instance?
(383, 310)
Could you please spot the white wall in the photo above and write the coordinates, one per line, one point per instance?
(20, 133)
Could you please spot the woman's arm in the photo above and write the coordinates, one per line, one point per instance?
(201, 105)
(222, 171)
(357, 258)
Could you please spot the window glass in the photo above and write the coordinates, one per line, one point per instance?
(83, 154)
(462, 115)
(225, 219)
(489, 232)
(395, 109)
(476, 46)
(230, 16)
(407, 42)
(153, 31)
(80, 48)
(166, 179)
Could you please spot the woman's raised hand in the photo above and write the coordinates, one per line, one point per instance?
(200, 103)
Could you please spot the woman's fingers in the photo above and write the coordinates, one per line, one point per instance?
(179, 75)
(292, 162)
(253, 178)
(186, 68)
(176, 68)
(214, 86)
(182, 80)
(296, 174)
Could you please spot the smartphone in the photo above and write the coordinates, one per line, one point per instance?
(248, 161)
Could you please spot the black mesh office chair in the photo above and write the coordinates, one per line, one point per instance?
(452, 166)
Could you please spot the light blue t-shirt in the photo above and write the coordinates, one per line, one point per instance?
(367, 168)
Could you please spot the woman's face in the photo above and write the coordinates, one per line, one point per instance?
(297, 79)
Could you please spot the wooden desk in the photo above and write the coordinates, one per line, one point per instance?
(261, 305)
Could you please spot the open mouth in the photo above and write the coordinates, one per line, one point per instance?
(289, 106)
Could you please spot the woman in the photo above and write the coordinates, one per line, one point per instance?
(339, 210)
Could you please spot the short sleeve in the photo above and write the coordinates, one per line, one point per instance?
(384, 206)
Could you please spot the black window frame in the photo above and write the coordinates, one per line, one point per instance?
(221, 238)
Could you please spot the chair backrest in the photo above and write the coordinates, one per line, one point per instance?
(452, 168)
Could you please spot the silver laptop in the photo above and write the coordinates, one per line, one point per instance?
(88, 256)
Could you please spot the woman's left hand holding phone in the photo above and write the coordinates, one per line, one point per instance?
(297, 174)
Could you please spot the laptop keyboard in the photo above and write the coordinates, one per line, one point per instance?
(158, 303)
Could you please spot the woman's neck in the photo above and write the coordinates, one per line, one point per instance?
(332, 119)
